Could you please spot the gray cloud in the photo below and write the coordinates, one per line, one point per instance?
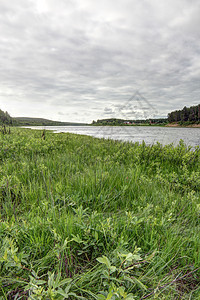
(91, 56)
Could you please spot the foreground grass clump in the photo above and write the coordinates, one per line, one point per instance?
(86, 218)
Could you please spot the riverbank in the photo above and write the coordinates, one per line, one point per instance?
(89, 218)
(152, 125)
(183, 126)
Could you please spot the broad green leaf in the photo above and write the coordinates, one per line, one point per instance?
(112, 269)
(130, 297)
(101, 297)
(77, 239)
(104, 260)
(136, 257)
(63, 282)
(51, 279)
(129, 256)
(96, 235)
(109, 296)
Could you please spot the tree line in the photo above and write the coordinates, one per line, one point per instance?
(187, 114)
(5, 118)
(121, 122)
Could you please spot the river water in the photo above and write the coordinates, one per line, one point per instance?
(148, 134)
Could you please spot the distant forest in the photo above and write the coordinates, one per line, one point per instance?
(187, 114)
(122, 122)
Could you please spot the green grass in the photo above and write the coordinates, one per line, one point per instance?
(86, 218)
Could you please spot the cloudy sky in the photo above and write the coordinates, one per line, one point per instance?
(79, 60)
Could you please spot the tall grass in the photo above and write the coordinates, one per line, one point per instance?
(86, 218)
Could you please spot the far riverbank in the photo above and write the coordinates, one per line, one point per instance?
(183, 126)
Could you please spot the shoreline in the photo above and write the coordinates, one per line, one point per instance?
(183, 126)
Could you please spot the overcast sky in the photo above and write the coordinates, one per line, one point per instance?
(79, 60)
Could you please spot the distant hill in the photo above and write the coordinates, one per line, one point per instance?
(25, 121)
(6, 119)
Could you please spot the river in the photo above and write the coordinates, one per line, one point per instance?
(148, 134)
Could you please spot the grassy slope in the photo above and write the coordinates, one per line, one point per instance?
(68, 199)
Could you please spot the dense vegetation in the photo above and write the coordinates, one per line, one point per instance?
(86, 218)
(187, 114)
(122, 122)
(5, 118)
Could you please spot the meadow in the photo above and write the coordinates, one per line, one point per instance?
(87, 218)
